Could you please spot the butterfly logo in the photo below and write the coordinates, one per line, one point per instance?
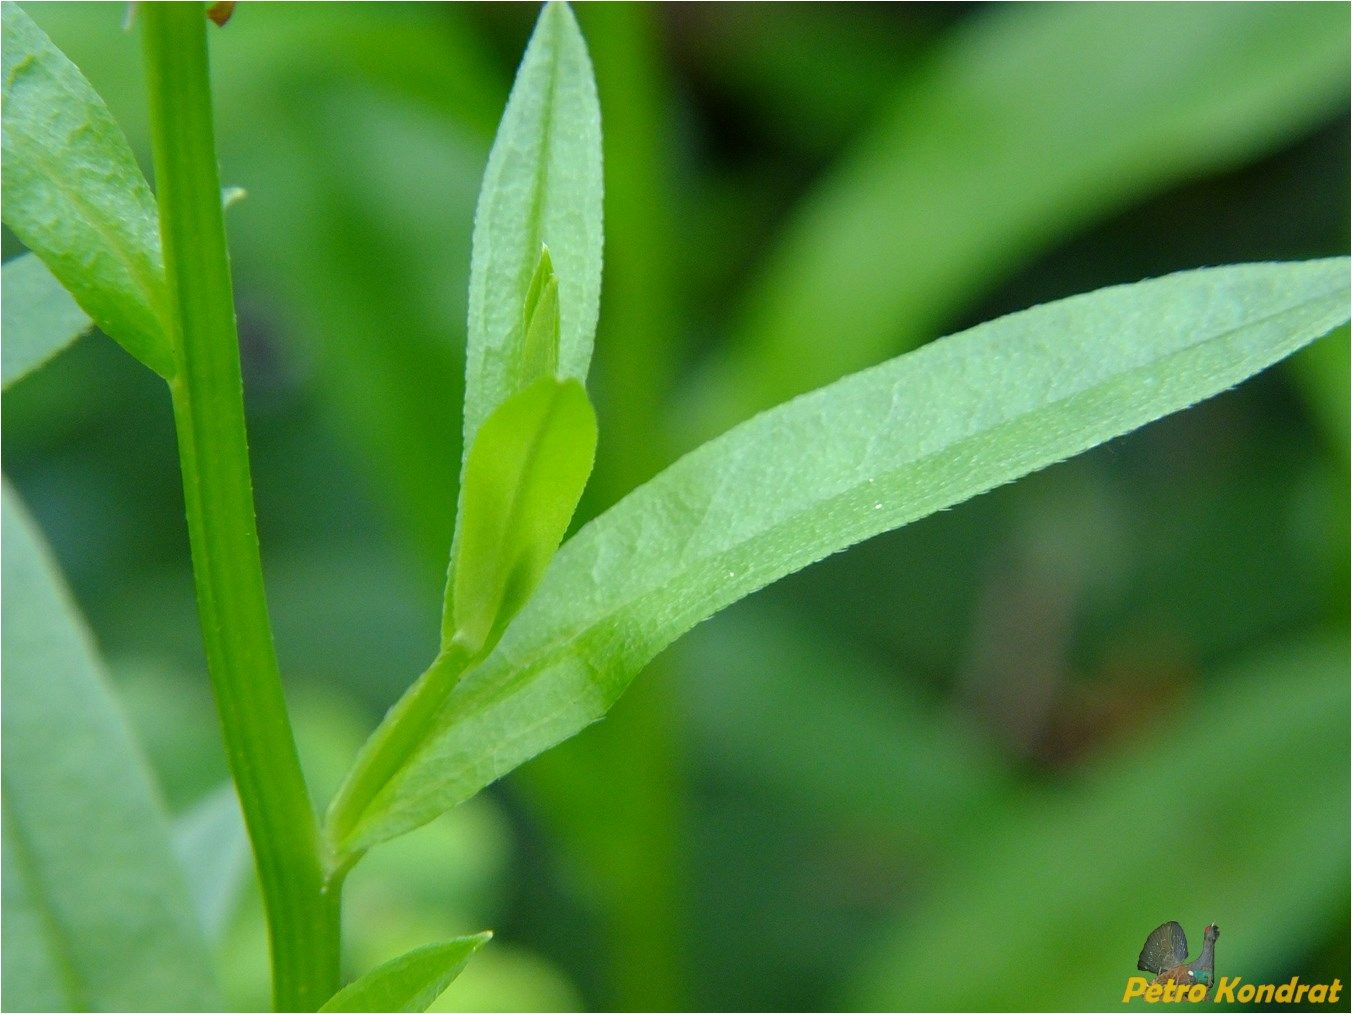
(1165, 954)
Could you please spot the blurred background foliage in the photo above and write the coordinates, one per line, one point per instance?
(970, 764)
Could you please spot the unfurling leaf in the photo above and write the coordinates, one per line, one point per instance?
(523, 478)
(540, 323)
(542, 187)
(867, 454)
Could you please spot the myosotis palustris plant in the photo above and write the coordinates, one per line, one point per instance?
(534, 644)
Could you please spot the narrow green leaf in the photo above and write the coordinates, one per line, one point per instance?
(1321, 374)
(838, 743)
(865, 455)
(77, 198)
(33, 962)
(1028, 122)
(410, 982)
(523, 479)
(1129, 843)
(542, 186)
(106, 923)
(40, 318)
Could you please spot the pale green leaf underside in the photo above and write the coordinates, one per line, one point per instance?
(542, 186)
(103, 918)
(74, 194)
(868, 454)
(1030, 121)
(410, 982)
(523, 479)
(212, 847)
(40, 318)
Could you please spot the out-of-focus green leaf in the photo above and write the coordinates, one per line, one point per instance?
(32, 973)
(811, 74)
(1185, 824)
(839, 742)
(863, 456)
(353, 261)
(275, 56)
(104, 919)
(837, 777)
(212, 846)
(1321, 373)
(77, 198)
(40, 318)
(523, 478)
(410, 982)
(1032, 121)
(542, 187)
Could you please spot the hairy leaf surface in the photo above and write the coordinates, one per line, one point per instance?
(865, 455)
(542, 187)
(76, 196)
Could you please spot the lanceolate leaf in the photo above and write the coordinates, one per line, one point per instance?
(75, 195)
(40, 318)
(410, 982)
(105, 922)
(542, 187)
(523, 479)
(865, 455)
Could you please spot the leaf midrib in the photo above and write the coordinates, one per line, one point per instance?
(540, 196)
(547, 655)
(560, 646)
(76, 989)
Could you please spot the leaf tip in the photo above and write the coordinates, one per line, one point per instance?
(541, 324)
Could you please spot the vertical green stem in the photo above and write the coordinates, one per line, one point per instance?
(303, 915)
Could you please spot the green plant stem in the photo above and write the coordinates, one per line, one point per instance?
(303, 912)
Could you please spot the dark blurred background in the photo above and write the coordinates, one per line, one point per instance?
(969, 764)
